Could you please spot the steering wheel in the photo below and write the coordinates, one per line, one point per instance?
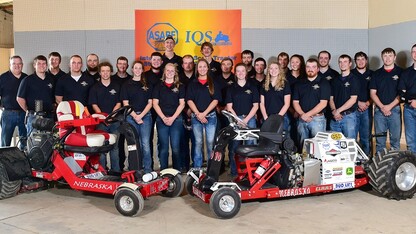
(119, 115)
(234, 119)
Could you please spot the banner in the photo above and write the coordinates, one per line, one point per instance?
(189, 28)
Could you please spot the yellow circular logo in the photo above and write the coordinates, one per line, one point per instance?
(336, 136)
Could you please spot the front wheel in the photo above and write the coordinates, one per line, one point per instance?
(225, 203)
(393, 174)
(129, 202)
(175, 187)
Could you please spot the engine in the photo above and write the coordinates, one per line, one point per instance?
(40, 144)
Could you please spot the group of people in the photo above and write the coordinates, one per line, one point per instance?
(184, 99)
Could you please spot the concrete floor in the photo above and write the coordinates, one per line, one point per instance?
(62, 210)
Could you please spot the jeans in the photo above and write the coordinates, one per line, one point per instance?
(307, 130)
(347, 125)
(185, 154)
(234, 144)
(364, 128)
(114, 159)
(391, 123)
(410, 127)
(164, 134)
(144, 130)
(197, 128)
(9, 121)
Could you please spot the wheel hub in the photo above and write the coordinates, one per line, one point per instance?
(126, 203)
(227, 203)
(406, 176)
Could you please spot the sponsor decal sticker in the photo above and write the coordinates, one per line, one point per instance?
(294, 192)
(346, 185)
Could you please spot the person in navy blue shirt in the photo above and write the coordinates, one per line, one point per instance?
(75, 85)
(407, 86)
(283, 61)
(364, 109)
(186, 77)
(275, 95)
(169, 56)
(215, 67)
(324, 57)
(343, 100)
(36, 91)
(247, 58)
(242, 100)
(104, 97)
(54, 59)
(138, 93)
(294, 75)
(168, 102)
(310, 99)
(120, 77)
(13, 115)
(224, 80)
(92, 67)
(202, 97)
(384, 93)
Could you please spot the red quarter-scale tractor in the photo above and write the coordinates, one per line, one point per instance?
(72, 156)
(272, 169)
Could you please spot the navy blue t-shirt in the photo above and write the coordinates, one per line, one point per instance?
(34, 88)
(242, 98)
(292, 80)
(58, 75)
(152, 78)
(200, 95)
(329, 75)
(9, 85)
(258, 84)
(214, 68)
(407, 82)
(274, 100)
(342, 88)
(186, 80)
(120, 81)
(223, 85)
(168, 97)
(70, 89)
(137, 95)
(363, 83)
(95, 77)
(310, 93)
(176, 59)
(386, 84)
(105, 97)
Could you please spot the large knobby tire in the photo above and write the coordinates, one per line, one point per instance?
(175, 187)
(189, 182)
(8, 188)
(225, 203)
(393, 174)
(129, 202)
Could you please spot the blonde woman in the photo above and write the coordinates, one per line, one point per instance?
(275, 95)
(168, 102)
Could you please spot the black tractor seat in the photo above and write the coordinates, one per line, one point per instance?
(270, 139)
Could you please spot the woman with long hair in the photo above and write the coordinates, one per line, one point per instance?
(242, 100)
(168, 102)
(202, 97)
(275, 95)
(137, 93)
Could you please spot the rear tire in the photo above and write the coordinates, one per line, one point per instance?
(393, 174)
(8, 188)
(225, 203)
(175, 187)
